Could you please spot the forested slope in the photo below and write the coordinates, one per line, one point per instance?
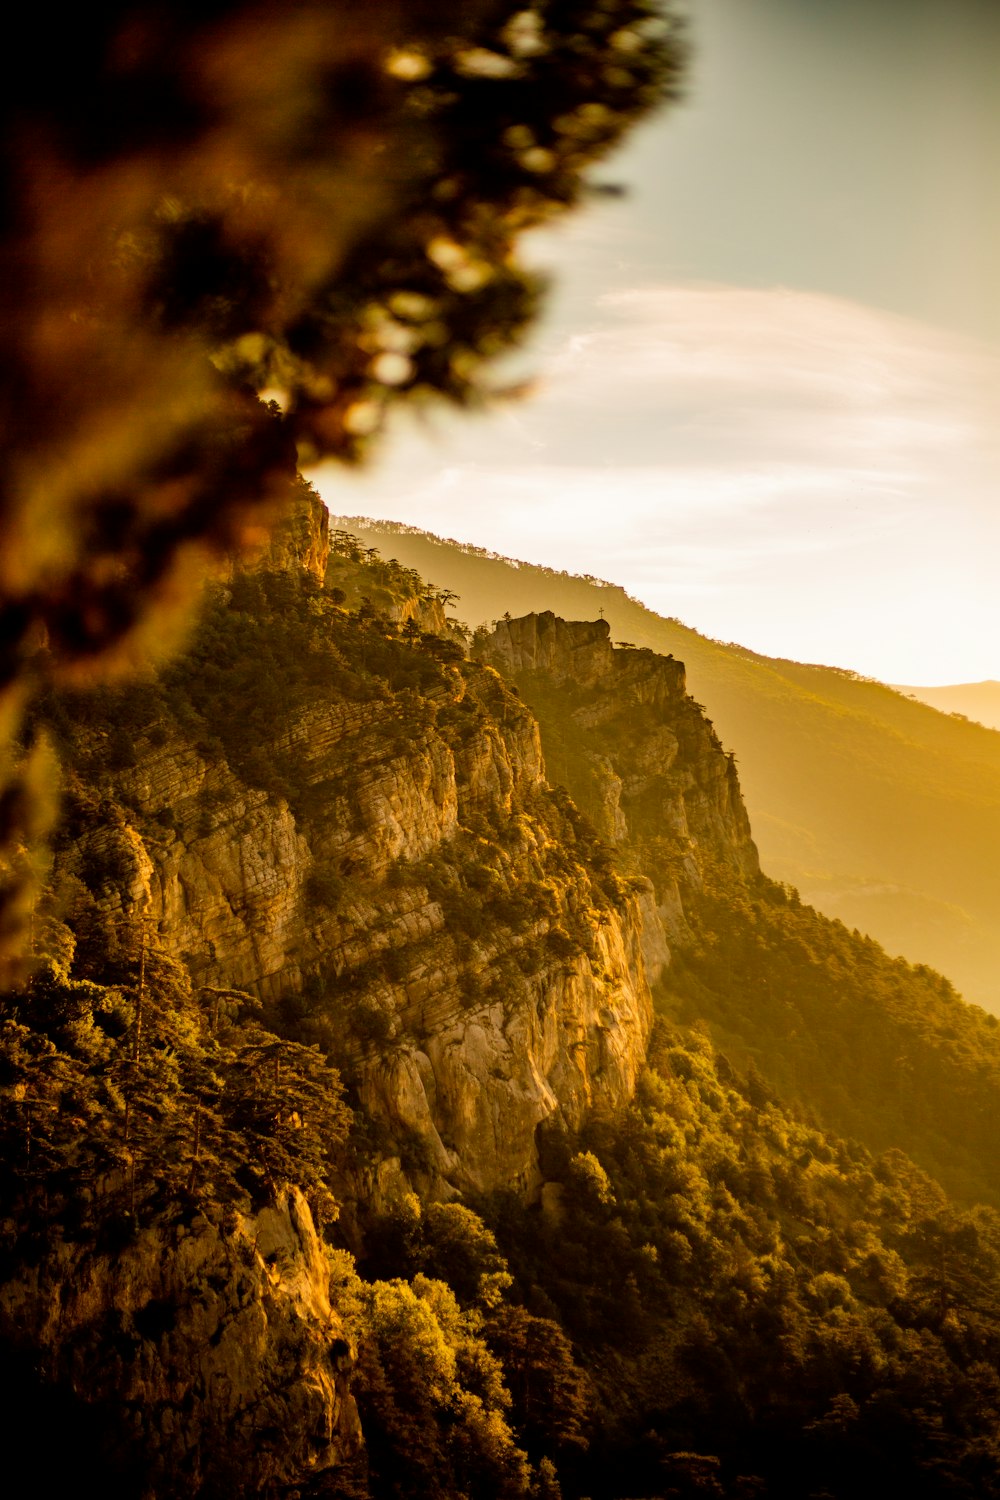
(976, 700)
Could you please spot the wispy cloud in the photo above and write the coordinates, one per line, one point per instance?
(780, 372)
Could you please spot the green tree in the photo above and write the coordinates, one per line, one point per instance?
(550, 1394)
(432, 1401)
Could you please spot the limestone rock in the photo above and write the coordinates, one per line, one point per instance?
(222, 1341)
(649, 769)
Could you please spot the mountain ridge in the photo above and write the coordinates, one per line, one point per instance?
(978, 701)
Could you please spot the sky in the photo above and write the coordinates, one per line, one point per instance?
(768, 383)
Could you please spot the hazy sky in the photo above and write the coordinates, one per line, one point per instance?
(770, 378)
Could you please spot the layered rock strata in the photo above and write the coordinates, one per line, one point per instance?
(431, 912)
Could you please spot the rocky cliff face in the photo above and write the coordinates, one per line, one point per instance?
(196, 1331)
(468, 1014)
(635, 750)
(420, 901)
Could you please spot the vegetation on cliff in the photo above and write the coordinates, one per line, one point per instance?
(765, 1309)
(560, 1260)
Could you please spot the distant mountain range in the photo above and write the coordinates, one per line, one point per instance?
(882, 811)
(979, 701)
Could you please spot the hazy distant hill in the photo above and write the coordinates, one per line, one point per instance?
(976, 700)
(882, 811)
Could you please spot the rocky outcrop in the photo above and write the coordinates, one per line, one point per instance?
(427, 613)
(473, 1082)
(231, 883)
(301, 542)
(648, 766)
(218, 1340)
(573, 651)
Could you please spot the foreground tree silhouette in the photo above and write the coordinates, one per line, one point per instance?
(231, 236)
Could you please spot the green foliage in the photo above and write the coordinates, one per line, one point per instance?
(359, 574)
(177, 295)
(324, 887)
(551, 1397)
(749, 1290)
(118, 1101)
(861, 1040)
(432, 1398)
(268, 646)
(452, 1383)
(456, 1247)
